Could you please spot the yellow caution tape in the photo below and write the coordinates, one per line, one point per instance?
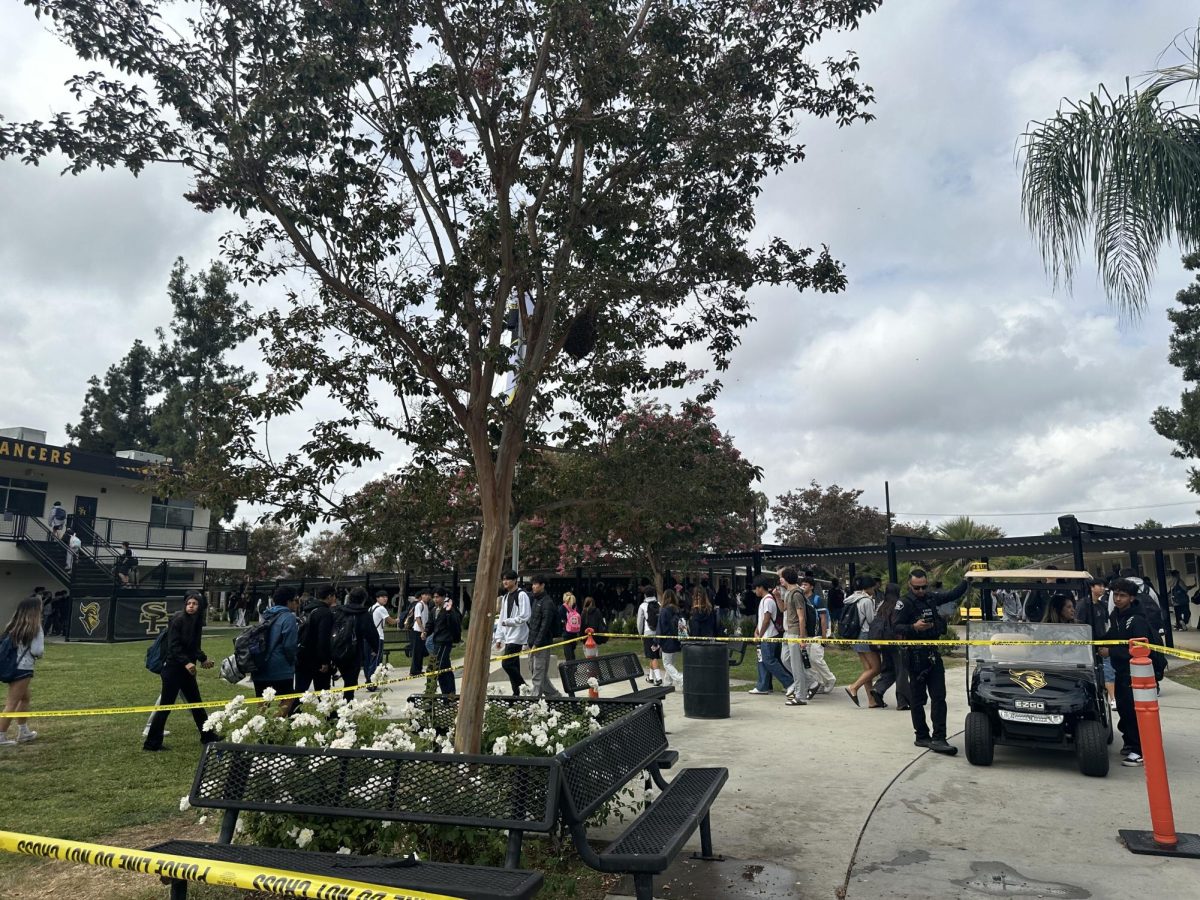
(205, 871)
(217, 704)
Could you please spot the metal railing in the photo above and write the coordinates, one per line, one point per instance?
(100, 531)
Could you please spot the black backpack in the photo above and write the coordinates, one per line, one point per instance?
(850, 623)
(652, 609)
(1179, 596)
(250, 648)
(343, 639)
(812, 622)
(154, 653)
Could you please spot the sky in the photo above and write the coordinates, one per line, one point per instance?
(950, 368)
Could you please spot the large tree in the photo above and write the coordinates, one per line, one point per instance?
(663, 486)
(430, 167)
(1182, 425)
(827, 517)
(116, 412)
(1124, 168)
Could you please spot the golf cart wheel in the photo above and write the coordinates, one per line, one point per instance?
(980, 744)
(1091, 748)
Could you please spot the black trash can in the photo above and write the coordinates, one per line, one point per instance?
(705, 680)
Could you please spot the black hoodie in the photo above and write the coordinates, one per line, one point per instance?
(365, 632)
(183, 640)
(313, 650)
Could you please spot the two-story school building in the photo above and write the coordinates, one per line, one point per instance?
(108, 501)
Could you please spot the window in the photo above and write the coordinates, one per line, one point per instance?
(1189, 561)
(22, 496)
(166, 512)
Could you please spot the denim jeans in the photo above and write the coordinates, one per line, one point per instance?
(771, 665)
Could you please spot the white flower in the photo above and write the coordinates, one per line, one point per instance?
(306, 720)
(344, 850)
(304, 838)
(202, 820)
(594, 684)
(302, 742)
(268, 695)
(292, 832)
(345, 742)
(501, 746)
(593, 710)
(257, 724)
(184, 804)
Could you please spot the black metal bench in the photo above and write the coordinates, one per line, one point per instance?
(737, 653)
(611, 669)
(598, 767)
(515, 793)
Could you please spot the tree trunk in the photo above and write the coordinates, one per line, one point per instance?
(495, 497)
(468, 727)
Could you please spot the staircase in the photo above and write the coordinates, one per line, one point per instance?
(88, 578)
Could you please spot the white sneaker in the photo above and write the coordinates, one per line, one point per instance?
(757, 691)
(6, 741)
(790, 692)
(146, 732)
(24, 737)
(1132, 758)
(1112, 704)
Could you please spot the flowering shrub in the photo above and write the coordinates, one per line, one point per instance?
(329, 721)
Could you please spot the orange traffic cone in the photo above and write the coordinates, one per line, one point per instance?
(1162, 840)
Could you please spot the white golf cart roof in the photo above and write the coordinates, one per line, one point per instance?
(1019, 574)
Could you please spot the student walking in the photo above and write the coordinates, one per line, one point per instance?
(447, 631)
(647, 626)
(352, 638)
(380, 618)
(768, 625)
(417, 621)
(571, 623)
(1128, 621)
(512, 629)
(821, 677)
(863, 601)
(314, 658)
(25, 632)
(667, 632)
(795, 627)
(57, 519)
(277, 670)
(181, 656)
(593, 618)
(543, 631)
(74, 548)
(892, 658)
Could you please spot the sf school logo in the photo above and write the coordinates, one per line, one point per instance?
(1030, 679)
(89, 617)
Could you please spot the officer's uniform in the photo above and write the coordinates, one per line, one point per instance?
(926, 672)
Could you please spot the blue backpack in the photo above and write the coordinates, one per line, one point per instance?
(8, 659)
(154, 653)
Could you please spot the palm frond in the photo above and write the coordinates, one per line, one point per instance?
(1127, 169)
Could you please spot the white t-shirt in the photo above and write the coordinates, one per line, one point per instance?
(420, 613)
(379, 616)
(766, 606)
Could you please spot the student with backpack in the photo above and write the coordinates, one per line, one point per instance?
(571, 620)
(511, 629)
(858, 613)
(667, 631)
(22, 642)
(314, 626)
(795, 626)
(351, 638)
(275, 668)
(892, 660)
(1179, 601)
(647, 626)
(181, 657)
(769, 624)
(821, 678)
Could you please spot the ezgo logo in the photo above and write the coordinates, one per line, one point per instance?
(154, 616)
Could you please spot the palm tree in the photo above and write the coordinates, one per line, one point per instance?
(1125, 168)
(961, 528)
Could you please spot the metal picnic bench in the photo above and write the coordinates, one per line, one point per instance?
(517, 794)
(611, 669)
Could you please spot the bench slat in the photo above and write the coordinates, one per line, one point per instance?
(468, 882)
(652, 840)
(609, 669)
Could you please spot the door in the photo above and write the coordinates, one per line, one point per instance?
(83, 521)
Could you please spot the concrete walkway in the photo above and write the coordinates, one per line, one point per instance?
(830, 800)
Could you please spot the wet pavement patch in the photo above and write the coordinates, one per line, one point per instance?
(904, 858)
(995, 879)
(731, 879)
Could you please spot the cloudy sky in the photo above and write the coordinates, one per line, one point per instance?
(948, 368)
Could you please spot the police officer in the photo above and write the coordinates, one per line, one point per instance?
(917, 617)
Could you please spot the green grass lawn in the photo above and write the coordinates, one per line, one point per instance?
(1187, 675)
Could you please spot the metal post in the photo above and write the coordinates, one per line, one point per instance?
(1135, 562)
(893, 568)
(1164, 601)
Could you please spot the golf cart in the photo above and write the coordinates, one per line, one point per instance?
(1045, 695)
